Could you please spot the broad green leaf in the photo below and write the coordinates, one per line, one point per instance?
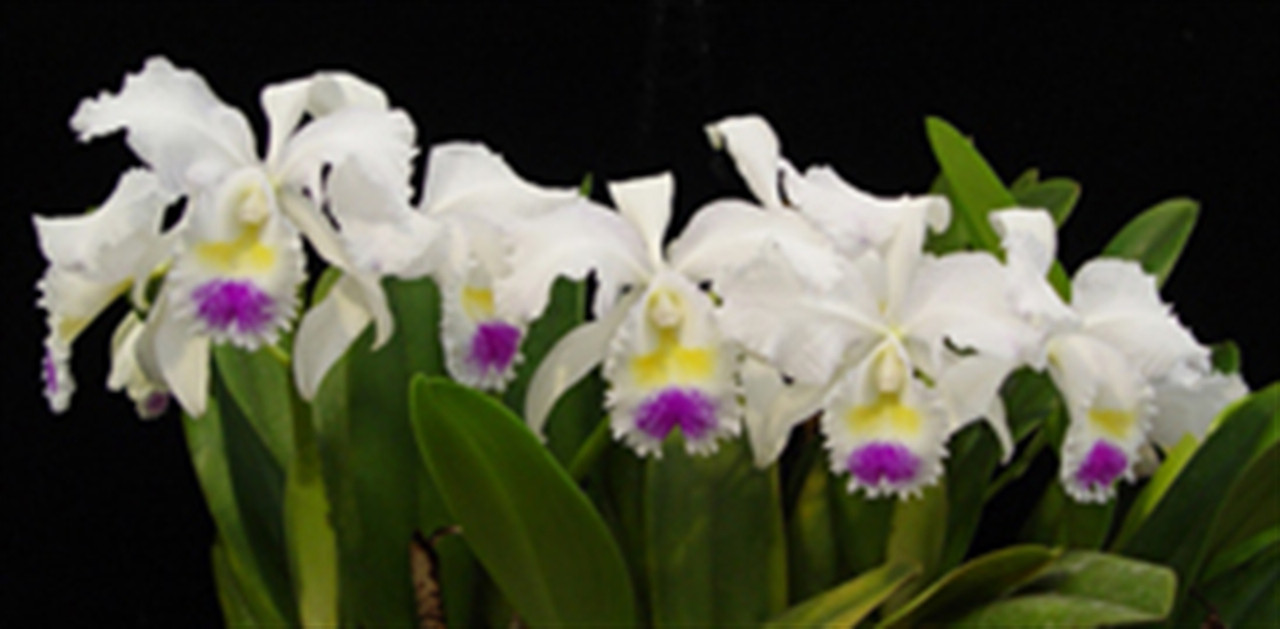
(1177, 531)
(1251, 507)
(1245, 597)
(312, 545)
(259, 383)
(1234, 556)
(243, 490)
(956, 237)
(1155, 238)
(1058, 195)
(971, 181)
(1083, 588)
(975, 453)
(1174, 460)
(978, 581)
(578, 411)
(1059, 520)
(1225, 357)
(379, 492)
(917, 536)
(528, 524)
(1027, 180)
(714, 537)
(860, 526)
(616, 486)
(812, 558)
(848, 604)
(237, 606)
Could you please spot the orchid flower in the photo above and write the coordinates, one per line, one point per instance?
(233, 264)
(874, 354)
(470, 197)
(665, 360)
(1127, 369)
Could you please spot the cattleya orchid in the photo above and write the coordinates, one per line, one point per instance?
(1128, 371)
(470, 197)
(900, 353)
(665, 360)
(232, 266)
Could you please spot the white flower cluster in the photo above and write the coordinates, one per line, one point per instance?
(816, 299)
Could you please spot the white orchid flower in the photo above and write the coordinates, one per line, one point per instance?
(471, 197)
(95, 258)
(872, 354)
(235, 259)
(131, 371)
(1126, 368)
(655, 330)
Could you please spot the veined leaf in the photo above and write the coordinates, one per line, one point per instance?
(528, 524)
(848, 604)
(978, 581)
(1156, 237)
(714, 537)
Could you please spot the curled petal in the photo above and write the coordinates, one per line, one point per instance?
(468, 177)
(381, 233)
(970, 389)
(1029, 239)
(724, 236)
(174, 122)
(575, 354)
(1120, 304)
(1028, 235)
(646, 202)
(773, 408)
(329, 328)
(149, 395)
(382, 141)
(317, 95)
(1189, 400)
(570, 242)
(754, 148)
(167, 347)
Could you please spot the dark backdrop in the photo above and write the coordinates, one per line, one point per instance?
(102, 521)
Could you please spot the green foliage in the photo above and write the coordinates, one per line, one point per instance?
(714, 538)
(1058, 195)
(528, 524)
(849, 603)
(1156, 237)
(971, 182)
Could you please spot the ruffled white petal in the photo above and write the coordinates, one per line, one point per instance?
(382, 234)
(805, 332)
(382, 141)
(773, 407)
(1187, 403)
(327, 330)
(317, 95)
(1120, 304)
(575, 354)
(481, 350)
(970, 389)
(668, 366)
(646, 202)
(568, 242)
(174, 122)
(468, 177)
(1029, 239)
(754, 148)
(723, 236)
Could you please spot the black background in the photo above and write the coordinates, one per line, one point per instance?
(102, 522)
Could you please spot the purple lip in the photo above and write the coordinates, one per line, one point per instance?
(687, 408)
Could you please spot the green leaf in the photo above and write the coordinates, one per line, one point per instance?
(975, 453)
(813, 560)
(917, 536)
(1251, 506)
(1234, 556)
(1058, 195)
(1246, 597)
(378, 490)
(848, 604)
(978, 581)
(1177, 531)
(312, 545)
(714, 537)
(861, 527)
(1155, 238)
(1027, 180)
(243, 489)
(1225, 357)
(1174, 460)
(259, 383)
(971, 180)
(578, 411)
(528, 524)
(238, 607)
(1059, 520)
(1083, 588)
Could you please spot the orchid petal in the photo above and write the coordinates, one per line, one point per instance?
(149, 395)
(1119, 303)
(382, 141)
(1189, 402)
(174, 122)
(181, 358)
(646, 202)
(481, 350)
(329, 328)
(754, 148)
(1029, 239)
(465, 176)
(379, 230)
(724, 235)
(318, 95)
(970, 387)
(773, 408)
(575, 354)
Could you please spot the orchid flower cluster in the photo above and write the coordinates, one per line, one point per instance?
(815, 299)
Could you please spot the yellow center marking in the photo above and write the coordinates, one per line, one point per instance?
(1114, 422)
(672, 362)
(477, 302)
(245, 254)
(886, 414)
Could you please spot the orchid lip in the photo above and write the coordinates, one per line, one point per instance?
(1102, 465)
(688, 409)
(224, 304)
(50, 370)
(883, 461)
(494, 345)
